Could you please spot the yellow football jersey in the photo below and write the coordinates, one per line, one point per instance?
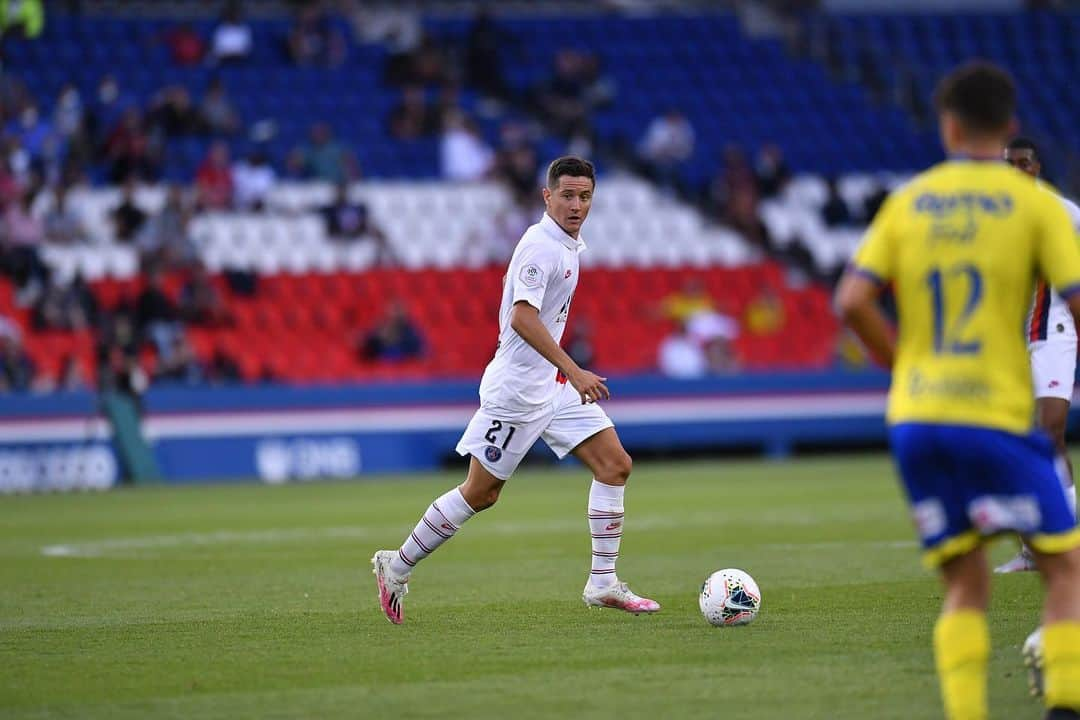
(963, 244)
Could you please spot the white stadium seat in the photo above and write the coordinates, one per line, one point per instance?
(429, 224)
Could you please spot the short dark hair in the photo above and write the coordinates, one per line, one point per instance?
(569, 165)
(980, 94)
(1023, 143)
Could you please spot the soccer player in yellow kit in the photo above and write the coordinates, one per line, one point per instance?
(963, 244)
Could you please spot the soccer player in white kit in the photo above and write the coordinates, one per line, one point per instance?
(532, 389)
(1051, 337)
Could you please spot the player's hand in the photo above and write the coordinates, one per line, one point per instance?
(590, 386)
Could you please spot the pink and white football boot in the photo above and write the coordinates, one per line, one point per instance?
(392, 587)
(619, 597)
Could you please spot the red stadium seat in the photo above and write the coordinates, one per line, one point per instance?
(304, 328)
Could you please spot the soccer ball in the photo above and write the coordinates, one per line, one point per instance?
(729, 597)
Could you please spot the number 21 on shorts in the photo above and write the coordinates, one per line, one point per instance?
(492, 435)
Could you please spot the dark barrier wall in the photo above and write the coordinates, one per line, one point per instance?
(281, 434)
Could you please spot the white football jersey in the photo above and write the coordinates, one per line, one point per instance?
(1050, 318)
(544, 273)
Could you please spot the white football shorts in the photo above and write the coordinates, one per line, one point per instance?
(499, 440)
(1053, 368)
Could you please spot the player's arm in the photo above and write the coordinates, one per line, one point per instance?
(1058, 252)
(525, 321)
(857, 294)
(856, 303)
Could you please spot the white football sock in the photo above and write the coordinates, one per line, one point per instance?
(605, 522)
(1062, 467)
(438, 524)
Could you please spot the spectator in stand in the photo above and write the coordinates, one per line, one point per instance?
(700, 346)
(835, 212)
(24, 19)
(580, 346)
(712, 326)
(118, 367)
(667, 145)
(129, 150)
(720, 356)
(873, 203)
(682, 357)
(20, 243)
(185, 45)
(449, 101)
(17, 167)
(180, 366)
(576, 88)
(156, 317)
(232, 41)
(217, 110)
(127, 217)
(253, 179)
(69, 115)
(349, 220)
(222, 369)
(700, 321)
(394, 339)
(214, 179)
(771, 170)
(734, 198)
(10, 328)
(693, 298)
(742, 216)
(17, 370)
(518, 167)
(166, 242)
(71, 124)
(412, 118)
(35, 135)
(324, 158)
(765, 314)
(427, 65)
(173, 114)
(314, 40)
(483, 62)
(563, 100)
(10, 185)
(63, 222)
(69, 306)
(464, 156)
(850, 352)
(200, 301)
(71, 376)
(107, 110)
(733, 178)
(397, 27)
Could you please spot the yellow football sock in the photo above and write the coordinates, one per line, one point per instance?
(962, 650)
(1061, 664)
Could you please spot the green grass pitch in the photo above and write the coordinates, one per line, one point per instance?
(257, 602)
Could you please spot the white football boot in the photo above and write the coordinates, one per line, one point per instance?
(392, 587)
(620, 597)
(1023, 562)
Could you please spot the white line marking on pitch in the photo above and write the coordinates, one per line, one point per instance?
(125, 547)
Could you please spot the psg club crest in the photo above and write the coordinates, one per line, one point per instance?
(492, 453)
